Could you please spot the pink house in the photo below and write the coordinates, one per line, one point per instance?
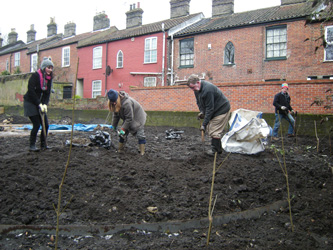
(136, 56)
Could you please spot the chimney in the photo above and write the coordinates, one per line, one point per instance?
(31, 34)
(70, 29)
(286, 2)
(222, 8)
(12, 37)
(179, 8)
(134, 16)
(101, 21)
(51, 28)
(1, 40)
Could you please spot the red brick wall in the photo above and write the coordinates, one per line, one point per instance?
(303, 59)
(62, 74)
(251, 95)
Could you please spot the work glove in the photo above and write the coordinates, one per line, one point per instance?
(201, 116)
(292, 112)
(41, 107)
(203, 128)
(283, 107)
(121, 133)
(45, 108)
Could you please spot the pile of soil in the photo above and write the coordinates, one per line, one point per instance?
(135, 199)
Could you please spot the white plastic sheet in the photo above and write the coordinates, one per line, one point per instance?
(248, 132)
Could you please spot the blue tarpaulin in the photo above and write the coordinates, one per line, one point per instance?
(77, 127)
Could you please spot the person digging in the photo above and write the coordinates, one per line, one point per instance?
(36, 100)
(133, 115)
(214, 110)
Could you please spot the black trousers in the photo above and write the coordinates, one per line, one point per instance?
(36, 123)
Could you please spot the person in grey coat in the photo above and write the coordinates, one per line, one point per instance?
(134, 118)
(214, 109)
(36, 100)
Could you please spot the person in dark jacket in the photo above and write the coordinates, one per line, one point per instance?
(134, 118)
(214, 109)
(283, 110)
(36, 100)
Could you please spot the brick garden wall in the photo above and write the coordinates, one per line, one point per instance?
(253, 96)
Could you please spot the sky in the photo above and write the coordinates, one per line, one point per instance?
(20, 14)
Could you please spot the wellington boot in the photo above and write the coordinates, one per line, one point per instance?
(32, 145)
(43, 146)
(142, 149)
(33, 148)
(215, 147)
(121, 147)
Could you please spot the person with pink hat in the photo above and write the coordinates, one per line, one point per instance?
(283, 110)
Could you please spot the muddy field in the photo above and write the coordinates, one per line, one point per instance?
(160, 200)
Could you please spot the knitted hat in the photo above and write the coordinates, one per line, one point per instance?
(284, 85)
(46, 63)
(112, 95)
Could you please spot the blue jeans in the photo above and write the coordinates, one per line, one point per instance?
(278, 118)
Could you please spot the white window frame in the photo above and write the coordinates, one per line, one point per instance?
(96, 88)
(186, 53)
(150, 54)
(66, 56)
(120, 59)
(33, 62)
(17, 57)
(276, 42)
(7, 65)
(149, 81)
(97, 57)
(328, 57)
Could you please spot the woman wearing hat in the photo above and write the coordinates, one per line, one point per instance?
(282, 111)
(134, 118)
(36, 100)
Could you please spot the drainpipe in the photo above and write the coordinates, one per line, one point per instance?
(163, 55)
(172, 44)
(37, 50)
(10, 62)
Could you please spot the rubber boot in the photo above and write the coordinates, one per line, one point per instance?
(121, 146)
(32, 146)
(215, 147)
(142, 149)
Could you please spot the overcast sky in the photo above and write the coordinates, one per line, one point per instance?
(20, 14)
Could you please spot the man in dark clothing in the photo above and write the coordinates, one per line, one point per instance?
(282, 111)
(214, 109)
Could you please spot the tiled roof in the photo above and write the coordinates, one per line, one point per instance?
(10, 48)
(111, 35)
(43, 43)
(60, 41)
(259, 16)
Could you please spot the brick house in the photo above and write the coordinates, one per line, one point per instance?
(248, 55)
(136, 56)
(18, 57)
(263, 45)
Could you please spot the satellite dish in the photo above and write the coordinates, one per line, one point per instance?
(108, 70)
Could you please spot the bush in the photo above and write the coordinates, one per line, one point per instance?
(5, 73)
(17, 70)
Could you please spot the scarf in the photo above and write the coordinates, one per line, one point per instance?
(43, 80)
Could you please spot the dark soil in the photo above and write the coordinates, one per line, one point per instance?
(105, 189)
